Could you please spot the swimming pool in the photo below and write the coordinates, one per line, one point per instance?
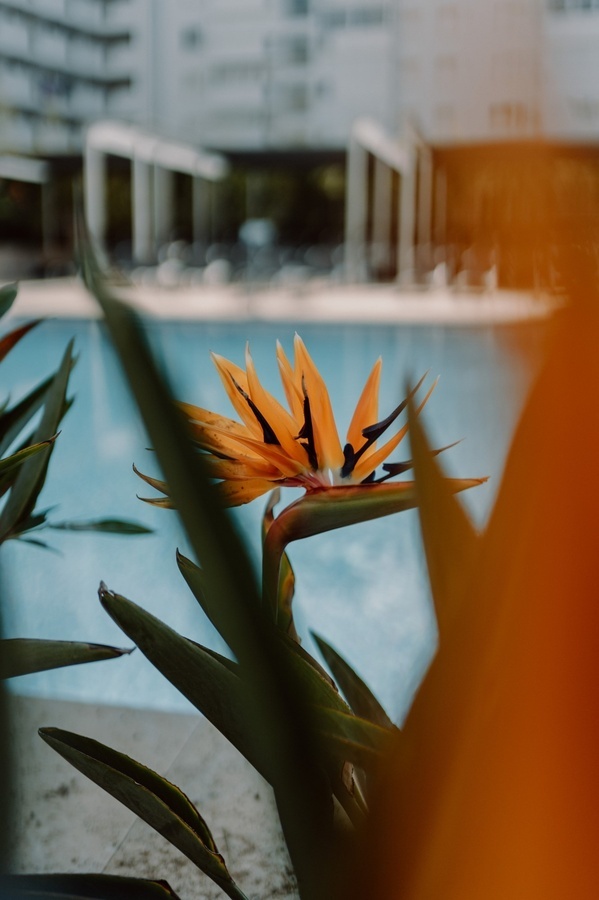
(364, 588)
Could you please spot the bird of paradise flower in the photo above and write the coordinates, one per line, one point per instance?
(276, 447)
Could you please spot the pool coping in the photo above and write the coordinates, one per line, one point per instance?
(316, 302)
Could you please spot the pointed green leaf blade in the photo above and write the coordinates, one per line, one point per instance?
(353, 739)
(103, 526)
(13, 337)
(356, 691)
(282, 720)
(8, 293)
(23, 656)
(212, 686)
(14, 420)
(450, 539)
(154, 799)
(24, 493)
(15, 460)
(83, 887)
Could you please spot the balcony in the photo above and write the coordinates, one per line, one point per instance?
(85, 57)
(87, 103)
(55, 9)
(14, 35)
(15, 87)
(49, 46)
(16, 133)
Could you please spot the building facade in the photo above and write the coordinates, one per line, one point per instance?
(64, 63)
(274, 74)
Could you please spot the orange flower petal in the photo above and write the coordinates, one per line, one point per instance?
(373, 457)
(221, 442)
(199, 415)
(367, 409)
(293, 392)
(236, 469)
(271, 453)
(236, 493)
(326, 438)
(229, 374)
(282, 424)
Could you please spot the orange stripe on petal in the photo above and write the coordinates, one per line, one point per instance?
(271, 453)
(294, 395)
(373, 458)
(236, 493)
(326, 438)
(229, 371)
(204, 417)
(221, 442)
(367, 409)
(238, 470)
(282, 424)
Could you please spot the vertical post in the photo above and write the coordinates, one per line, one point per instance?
(407, 217)
(381, 216)
(141, 212)
(94, 192)
(356, 211)
(48, 218)
(425, 202)
(163, 203)
(201, 202)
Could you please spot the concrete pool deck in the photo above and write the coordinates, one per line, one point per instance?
(315, 301)
(65, 823)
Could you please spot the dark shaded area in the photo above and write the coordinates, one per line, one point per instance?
(491, 206)
(500, 200)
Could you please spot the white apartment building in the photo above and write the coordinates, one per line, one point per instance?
(264, 74)
(268, 74)
(233, 74)
(277, 74)
(475, 71)
(63, 63)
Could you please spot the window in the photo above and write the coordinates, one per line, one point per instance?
(364, 16)
(510, 117)
(190, 38)
(334, 18)
(295, 49)
(297, 7)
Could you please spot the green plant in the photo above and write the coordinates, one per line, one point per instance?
(272, 700)
(26, 447)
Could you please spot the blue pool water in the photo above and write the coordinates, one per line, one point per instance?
(362, 588)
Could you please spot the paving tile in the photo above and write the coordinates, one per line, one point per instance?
(65, 823)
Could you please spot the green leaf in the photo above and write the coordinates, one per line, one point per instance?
(353, 739)
(15, 460)
(282, 721)
(213, 684)
(450, 540)
(315, 683)
(154, 799)
(13, 337)
(22, 656)
(358, 694)
(8, 293)
(14, 420)
(286, 586)
(30, 480)
(210, 684)
(104, 526)
(83, 887)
